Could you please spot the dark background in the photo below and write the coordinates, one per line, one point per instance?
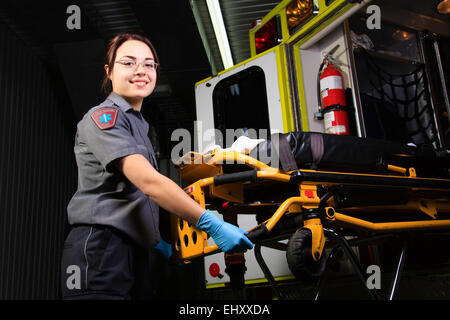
(49, 77)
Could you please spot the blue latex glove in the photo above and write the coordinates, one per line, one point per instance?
(228, 237)
(165, 249)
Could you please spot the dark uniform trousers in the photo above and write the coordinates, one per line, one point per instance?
(102, 263)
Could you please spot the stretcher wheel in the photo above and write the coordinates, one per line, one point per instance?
(299, 258)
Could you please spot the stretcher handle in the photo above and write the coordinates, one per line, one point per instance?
(250, 175)
(258, 233)
(252, 235)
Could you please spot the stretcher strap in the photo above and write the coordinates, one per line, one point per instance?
(287, 159)
(316, 149)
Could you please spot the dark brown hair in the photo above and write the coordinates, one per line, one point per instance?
(111, 51)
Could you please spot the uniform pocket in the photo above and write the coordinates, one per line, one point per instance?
(109, 265)
(101, 243)
(73, 262)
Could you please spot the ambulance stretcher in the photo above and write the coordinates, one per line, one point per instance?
(312, 208)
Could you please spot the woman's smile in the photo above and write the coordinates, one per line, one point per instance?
(140, 83)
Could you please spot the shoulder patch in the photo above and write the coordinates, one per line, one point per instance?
(105, 118)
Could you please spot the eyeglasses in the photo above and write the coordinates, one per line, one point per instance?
(132, 64)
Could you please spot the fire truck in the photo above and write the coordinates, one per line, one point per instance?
(332, 67)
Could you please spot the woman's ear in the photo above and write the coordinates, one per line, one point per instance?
(107, 71)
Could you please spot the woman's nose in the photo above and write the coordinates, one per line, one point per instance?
(140, 69)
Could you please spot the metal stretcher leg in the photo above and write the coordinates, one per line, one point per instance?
(321, 280)
(266, 271)
(398, 272)
(336, 250)
(352, 257)
(344, 245)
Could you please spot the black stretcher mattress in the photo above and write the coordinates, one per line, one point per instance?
(320, 151)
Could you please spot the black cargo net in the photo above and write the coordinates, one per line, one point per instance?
(407, 99)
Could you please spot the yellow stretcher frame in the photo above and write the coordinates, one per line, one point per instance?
(190, 243)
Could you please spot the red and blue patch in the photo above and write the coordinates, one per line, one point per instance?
(105, 118)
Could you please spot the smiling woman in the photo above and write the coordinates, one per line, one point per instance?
(115, 211)
(131, 79)
(126, 52)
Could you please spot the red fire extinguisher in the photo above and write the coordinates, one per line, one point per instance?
(332, 100)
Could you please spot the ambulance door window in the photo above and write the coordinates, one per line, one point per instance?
(240, 102)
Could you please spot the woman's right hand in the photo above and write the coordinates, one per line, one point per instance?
(228, 238)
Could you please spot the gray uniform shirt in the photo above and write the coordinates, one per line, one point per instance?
(104, 195)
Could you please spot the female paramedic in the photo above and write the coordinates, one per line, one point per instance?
(114, 212)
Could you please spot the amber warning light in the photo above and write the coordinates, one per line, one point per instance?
(298, 11)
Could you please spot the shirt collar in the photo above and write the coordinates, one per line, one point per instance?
(119, 101)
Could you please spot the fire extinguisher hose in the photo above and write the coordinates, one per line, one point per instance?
(319, 98)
